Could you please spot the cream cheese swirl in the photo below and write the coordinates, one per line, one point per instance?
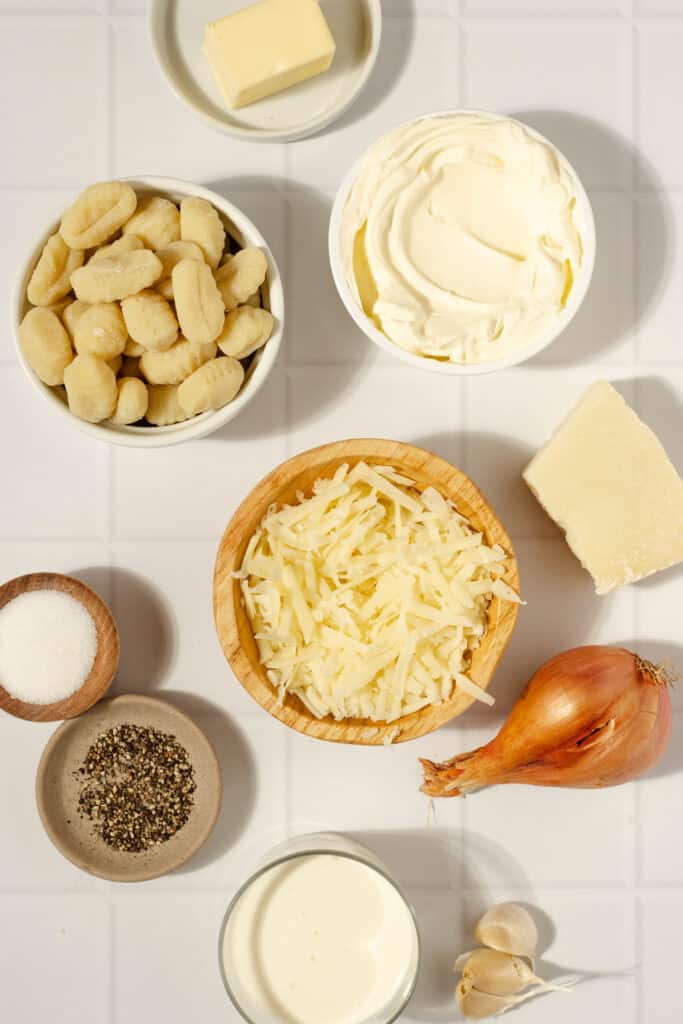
(459, 236)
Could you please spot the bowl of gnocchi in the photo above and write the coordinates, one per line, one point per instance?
(151, 313)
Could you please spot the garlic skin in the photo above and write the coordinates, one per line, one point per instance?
(508, 928)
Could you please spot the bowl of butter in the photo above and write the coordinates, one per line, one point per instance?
(462, 242)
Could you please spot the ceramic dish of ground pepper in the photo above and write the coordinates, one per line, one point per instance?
(130, 790)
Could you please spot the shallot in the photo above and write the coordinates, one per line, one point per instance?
(590, 717)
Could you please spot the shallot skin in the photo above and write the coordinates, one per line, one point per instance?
(593, 716)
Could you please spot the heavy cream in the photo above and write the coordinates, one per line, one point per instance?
(320, 939)
(459, 237)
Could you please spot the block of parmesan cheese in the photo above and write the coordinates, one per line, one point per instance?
(606, 480)
(267, 47)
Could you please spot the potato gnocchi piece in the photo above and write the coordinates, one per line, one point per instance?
(246, 330)
(51, 277)
(212, 386)
(197, 301)
(164, 408)
(126, 243)
(101, 331)
(130, 367)
(134, 348)
(150, 320)
(239, 276)
(170, 255)
(177, 362)
(91, 388)
(46, 345)
(116, 277)
(71, 315)
(200, 223)
(97, 214)
(131, 401)
(156, 221)
(115, 364)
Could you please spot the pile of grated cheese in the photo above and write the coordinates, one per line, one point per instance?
(367, 599)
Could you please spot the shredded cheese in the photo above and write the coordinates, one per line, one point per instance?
(368, 597)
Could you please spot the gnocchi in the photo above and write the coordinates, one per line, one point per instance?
(101, 331)
(127, 306)
(116, 277)
(169, 256)
(150, 320)
(90, 388)
(198, 302)
(46, 345)
(212, 386)
(51, 277)
(97, 214)
(126, 243)
(200, 223)
(133, 348)
(246, 330)
(131, 401)
(241, 275)
(176, 363)
(71, 314)
(164, 407)
(156, 221)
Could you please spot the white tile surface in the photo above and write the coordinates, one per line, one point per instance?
(60, 121)
(69, 937)
(598, 77)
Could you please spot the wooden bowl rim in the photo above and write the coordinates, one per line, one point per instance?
(75, 704)
(291, 711)
(185, 853)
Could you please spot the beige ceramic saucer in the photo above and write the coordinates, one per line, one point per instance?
(57, 790)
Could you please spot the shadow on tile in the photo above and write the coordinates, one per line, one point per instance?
(238, 773)
(442, 872)
(385, 74)
(145, 622)
(588, 144)
(323, 317)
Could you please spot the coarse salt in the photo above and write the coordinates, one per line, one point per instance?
(48, 642)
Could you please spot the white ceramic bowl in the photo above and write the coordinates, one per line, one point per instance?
(586, 225)
(245, 233)
(176, 29)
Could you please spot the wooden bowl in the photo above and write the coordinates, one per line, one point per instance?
(106, 658)
(57, 790)
(280, 486)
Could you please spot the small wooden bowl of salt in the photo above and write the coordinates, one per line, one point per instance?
(59, 647)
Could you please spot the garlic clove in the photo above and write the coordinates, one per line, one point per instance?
(498, 974)
(475, 1005)
(459, 964)
(509, 928)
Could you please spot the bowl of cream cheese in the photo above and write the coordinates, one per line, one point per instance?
(462, 242)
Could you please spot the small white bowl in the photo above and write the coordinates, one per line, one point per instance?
(176, 28)
(244, 233)
(585, 220)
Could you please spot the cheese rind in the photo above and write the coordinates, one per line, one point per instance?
(266, 48)
(606, 480)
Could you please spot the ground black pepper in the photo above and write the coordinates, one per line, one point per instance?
(137, 787)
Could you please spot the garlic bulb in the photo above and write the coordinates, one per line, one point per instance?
(508, 928)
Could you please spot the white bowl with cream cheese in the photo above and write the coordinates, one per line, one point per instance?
(462, 242)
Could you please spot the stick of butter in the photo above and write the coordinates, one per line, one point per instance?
(267, 47)
(606, 480)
